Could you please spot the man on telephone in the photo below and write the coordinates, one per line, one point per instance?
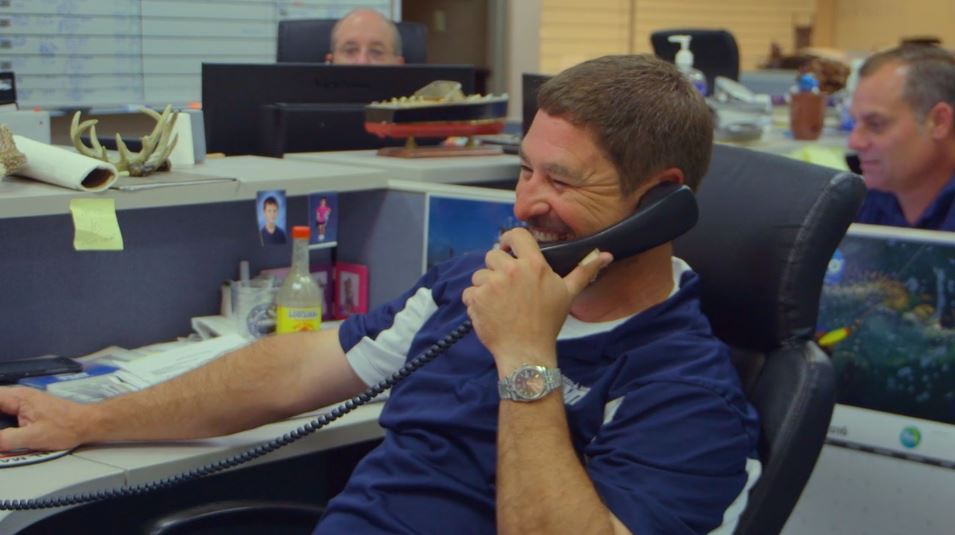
(595, 402)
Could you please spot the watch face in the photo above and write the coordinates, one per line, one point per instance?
(529, 383)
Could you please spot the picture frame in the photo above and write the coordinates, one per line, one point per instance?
(351, 289)
(324, 277)
(270, 208)
(323, 217)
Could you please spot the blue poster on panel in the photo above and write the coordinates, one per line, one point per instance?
(457, 226)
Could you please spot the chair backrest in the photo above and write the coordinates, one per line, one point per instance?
(714, 51)
(309, 40)
(767, 230)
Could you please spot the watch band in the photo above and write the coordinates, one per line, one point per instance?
(529, 383)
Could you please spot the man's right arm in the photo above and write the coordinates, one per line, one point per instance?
(271, 379)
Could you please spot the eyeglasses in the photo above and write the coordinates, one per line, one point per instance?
(353, 53)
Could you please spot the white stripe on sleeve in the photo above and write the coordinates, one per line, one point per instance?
(378, 358)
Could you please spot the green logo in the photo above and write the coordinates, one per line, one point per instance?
(910, 437)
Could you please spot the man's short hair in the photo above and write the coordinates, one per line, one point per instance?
(645, 115)
(270, 200)
(395, 34)
(930, 78)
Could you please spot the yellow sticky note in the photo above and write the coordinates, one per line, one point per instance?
(96, 226)
(833, 157)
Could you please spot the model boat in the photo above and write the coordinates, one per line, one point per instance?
(439, 109)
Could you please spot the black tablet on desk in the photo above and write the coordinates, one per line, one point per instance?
(12, 371)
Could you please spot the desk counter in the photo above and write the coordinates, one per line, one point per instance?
(103, 466)
(779, 142)
(65, 475)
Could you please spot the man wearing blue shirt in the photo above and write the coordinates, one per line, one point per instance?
(599, 402)
(904, 110)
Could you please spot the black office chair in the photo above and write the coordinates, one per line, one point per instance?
(768, 228)
(715, 52)
(309, 40)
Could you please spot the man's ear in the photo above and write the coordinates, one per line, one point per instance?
(941, 120)
(328, 58)
(670, 174)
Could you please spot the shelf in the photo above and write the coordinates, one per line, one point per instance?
(23, 197)
(325, 245)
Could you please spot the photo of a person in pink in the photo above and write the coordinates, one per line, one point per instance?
(323, 217)
(322, 212)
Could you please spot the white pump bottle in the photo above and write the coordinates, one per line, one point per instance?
(684, 62)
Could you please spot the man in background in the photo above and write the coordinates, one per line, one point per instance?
(904, 108)
(365, 37)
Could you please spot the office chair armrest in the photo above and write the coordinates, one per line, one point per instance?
(268, 514)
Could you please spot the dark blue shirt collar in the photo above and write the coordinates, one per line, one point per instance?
(882, 208)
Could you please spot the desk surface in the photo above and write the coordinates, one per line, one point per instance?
(97, 467)
(777, 141)
(451, 170)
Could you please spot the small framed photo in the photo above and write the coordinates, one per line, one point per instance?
(323, 217)
(351, 289)
(322, 274)
(270, 208)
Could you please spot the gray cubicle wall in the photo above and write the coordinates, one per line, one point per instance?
(57, 300)
(383, 229)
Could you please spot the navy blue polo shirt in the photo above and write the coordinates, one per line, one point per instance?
(882, 208)
(655, 409)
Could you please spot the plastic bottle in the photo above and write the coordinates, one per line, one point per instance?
(807, 108)
(299, 300)
(684, 62)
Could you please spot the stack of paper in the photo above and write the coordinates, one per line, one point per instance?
(142, 368)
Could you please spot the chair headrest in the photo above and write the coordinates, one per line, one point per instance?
(767, 230)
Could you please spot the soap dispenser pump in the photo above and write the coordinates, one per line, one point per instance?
(684, 62)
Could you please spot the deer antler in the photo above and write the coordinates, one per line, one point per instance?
(11, 159)
(77, 129)
(153, 155)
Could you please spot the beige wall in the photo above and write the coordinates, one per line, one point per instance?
(574, 30)
(754, 23)
(866, 25)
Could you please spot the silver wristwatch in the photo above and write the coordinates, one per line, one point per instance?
(529, 383)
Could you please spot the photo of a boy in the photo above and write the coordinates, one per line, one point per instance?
(272, 217)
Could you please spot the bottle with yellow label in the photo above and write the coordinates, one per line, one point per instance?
(298, 303)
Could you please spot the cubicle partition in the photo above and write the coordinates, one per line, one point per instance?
(57, 300)
(182, 243)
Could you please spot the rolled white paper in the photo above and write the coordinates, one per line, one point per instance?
(63, 167)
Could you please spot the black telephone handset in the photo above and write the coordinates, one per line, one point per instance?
(665, 212)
